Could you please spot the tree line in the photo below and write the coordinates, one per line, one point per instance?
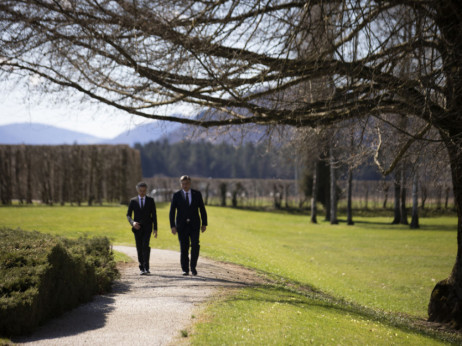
(68, 173)
(220, 160)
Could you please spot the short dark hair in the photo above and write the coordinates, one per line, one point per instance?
(185, 177)
(141, 184)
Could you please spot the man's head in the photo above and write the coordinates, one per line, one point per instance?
(185, 181)
(141, 187)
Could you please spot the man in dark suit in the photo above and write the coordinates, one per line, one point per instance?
(185, 220)
(143, 223)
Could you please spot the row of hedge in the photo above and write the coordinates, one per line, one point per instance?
(42, 276)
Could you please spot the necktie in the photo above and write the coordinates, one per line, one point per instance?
(187, 197)
(142, 203)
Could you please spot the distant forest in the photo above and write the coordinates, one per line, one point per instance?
(221, 160)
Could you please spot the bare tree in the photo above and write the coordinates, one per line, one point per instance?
(314, 193)
(415, 202)
(397, 202)
(240, 58)
(333, 185)
(350, 187)
(402, 196)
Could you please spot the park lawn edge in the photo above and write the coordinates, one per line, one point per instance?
(407, 324)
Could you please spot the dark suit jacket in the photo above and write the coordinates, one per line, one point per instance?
(184, 211)
(147, 216)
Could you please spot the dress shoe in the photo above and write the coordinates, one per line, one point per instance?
(194, 272)
(185, 273)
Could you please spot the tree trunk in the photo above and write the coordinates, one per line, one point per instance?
(415, 202)
(234, 199)
(446, 201)
(314, 193)
(333, 197)
(446, 299)
(327, 199)
(276, 197)
(439, 192)
(349, 196)
(403, 214)
(223, 191)
(397, 209)
(385, 200)
(423, 192)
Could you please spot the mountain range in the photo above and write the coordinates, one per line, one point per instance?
(42, 134)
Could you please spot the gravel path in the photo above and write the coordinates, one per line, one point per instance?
(143, 310)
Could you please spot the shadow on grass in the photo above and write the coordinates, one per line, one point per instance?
(388, 226)
(86, 317)
(378, 223)
(285, 291)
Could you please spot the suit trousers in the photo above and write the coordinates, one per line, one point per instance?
(142, 238)
(189, 237)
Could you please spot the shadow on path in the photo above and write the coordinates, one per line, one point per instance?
(86, 317)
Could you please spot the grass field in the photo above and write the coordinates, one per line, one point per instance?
(276, 316)
(379, 268)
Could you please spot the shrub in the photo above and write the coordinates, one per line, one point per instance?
(42, 276)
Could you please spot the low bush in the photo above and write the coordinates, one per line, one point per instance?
(42, 276)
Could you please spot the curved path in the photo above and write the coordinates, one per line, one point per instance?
(143, 310)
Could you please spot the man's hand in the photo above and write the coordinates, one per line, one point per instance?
(155, 233)
(173, 230)
(136, 225)
(203, 228)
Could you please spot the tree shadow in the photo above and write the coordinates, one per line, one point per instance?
(423, 227)
(86, 317)
(305, 298)
(209, 281)
(356, 222)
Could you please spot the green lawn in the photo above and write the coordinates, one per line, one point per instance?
(275, 316)
(371, 264)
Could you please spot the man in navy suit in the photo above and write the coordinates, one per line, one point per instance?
(143, 223)
(184, 220)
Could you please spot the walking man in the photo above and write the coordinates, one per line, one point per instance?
(185, 220)
(143, 223)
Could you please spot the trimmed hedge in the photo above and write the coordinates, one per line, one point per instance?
(42, 276)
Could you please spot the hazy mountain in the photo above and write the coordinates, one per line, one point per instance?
(144, 133)
(41, 134)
